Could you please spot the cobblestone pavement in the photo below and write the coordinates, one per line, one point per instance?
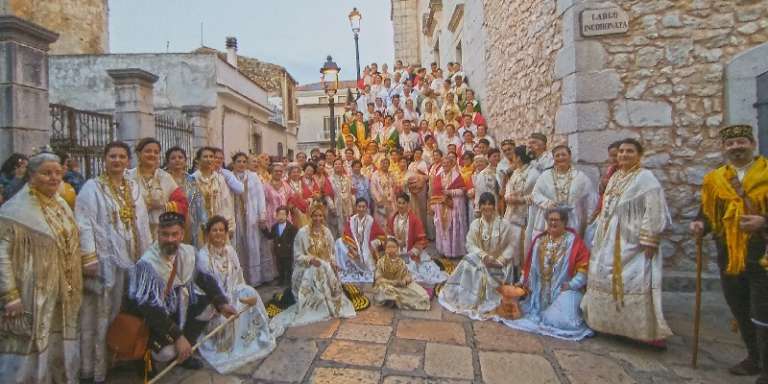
(404, 347)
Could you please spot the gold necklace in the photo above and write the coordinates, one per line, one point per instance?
(562, 184)
(123, 197)
(64, 237)
(550, 251)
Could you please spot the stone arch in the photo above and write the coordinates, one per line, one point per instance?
(741, 75)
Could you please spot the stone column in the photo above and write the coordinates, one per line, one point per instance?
(134, 103)
(24, 112)
(198, 117)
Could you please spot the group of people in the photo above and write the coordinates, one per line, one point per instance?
(414, 164)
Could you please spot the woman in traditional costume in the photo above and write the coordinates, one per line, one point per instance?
(176, 166)
(356, 250)
(343, 197)
(450, 206)
(41, 280)
(316, 286)
(408, 230)
(259, 164)
(416, 184)
(383, 192)
(471, 289)
(298, 198)
(250, 215)
(274, 192)
(624, 286)
(114, 226)
(394, 286)
(434, 171)
(158, 188)
(555, 275)
(214, 193)
(249, 337)
(562, 185)
(518, 197)
(450, 109)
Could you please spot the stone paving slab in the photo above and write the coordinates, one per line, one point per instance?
(451, 361)
(490, 335)
(355, 353)
(374, 315)
(321, 330)
(361, 332)
(501, 367)
(344, 376)
(435, 312)
(582, 367)
(429, 330)
(289, 362)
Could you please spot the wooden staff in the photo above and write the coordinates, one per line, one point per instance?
(697, 308)
(249, 303)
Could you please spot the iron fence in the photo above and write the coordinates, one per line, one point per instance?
(175, 132)
(82, 135)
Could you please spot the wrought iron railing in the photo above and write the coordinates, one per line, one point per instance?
(82, 135)
(175, 132)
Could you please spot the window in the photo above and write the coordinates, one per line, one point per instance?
(458, 53)
(327, 126)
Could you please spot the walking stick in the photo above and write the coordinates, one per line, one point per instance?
(216, 330)
(697, 308)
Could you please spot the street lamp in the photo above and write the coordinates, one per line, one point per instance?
(330, 81)
(354, 22)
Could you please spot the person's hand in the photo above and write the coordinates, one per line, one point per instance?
(183, 349)
(697, 227)
(227, 310)
(649, 251)
(13, 309)
(314, 262)
(565, 287)
(751, 223)
(91, 270)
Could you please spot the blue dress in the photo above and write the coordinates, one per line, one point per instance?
(548, 310)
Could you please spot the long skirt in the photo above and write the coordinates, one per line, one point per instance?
(96, 314)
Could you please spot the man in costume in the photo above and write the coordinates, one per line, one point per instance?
(356, 249)
(173, 295)
(542, 159)
(734, 208)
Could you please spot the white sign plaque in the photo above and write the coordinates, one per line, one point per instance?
(604, 21)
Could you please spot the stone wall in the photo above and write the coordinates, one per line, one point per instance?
(522, 40)
(82, 25)
(473, 48)
(405, 26)
(667, 73)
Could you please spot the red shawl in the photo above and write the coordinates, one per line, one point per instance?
(376, 233)
(177, 202)
(416, 235)
(298, 199)
(578, 259)
(439, 189)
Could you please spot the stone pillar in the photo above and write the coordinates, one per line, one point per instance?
(198, 118)
(134, 103)
(24, 112)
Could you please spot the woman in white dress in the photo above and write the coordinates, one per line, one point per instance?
(471, 290)
(624, 285)
(315, 283)
(562, 185)
(155, 184)
(518, 197)
(215, 195)
(343, 198)
(249, 337)
(250, 214)
(114, 225)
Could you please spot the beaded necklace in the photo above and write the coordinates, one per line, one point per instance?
(562, 183)
(65, 236)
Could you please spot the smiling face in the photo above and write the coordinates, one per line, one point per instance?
(47, 178)
(628, 156)
(218, 159)
(562, 158)
(116, 160)
(217, 235)
(177, 161)
(555, 224)
(149, 155)
(488, 209)
(207, 160)
(402, 206)
(537, 146)
(739, 150)
(240, 164)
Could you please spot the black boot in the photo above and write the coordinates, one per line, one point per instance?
(762, 345)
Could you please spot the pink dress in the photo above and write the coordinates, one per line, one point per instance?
(274, 197)
(450, 206)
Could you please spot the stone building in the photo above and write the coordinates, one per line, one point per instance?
(82, 25)
(315, 127)
(670, 73)
(442, 31)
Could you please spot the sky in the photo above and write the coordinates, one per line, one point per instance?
(297, 34)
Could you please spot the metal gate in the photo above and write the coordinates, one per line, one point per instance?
(173, 132)
(762, 113)
(82, 135)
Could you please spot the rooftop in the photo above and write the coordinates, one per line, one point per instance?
(319, 86)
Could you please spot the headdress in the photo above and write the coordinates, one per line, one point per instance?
(736, 130)
(168, 219)
(538, 136)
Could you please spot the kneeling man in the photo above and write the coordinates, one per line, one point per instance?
(175, 298)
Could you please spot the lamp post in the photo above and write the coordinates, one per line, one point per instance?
(354, 22)
(330, 80)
